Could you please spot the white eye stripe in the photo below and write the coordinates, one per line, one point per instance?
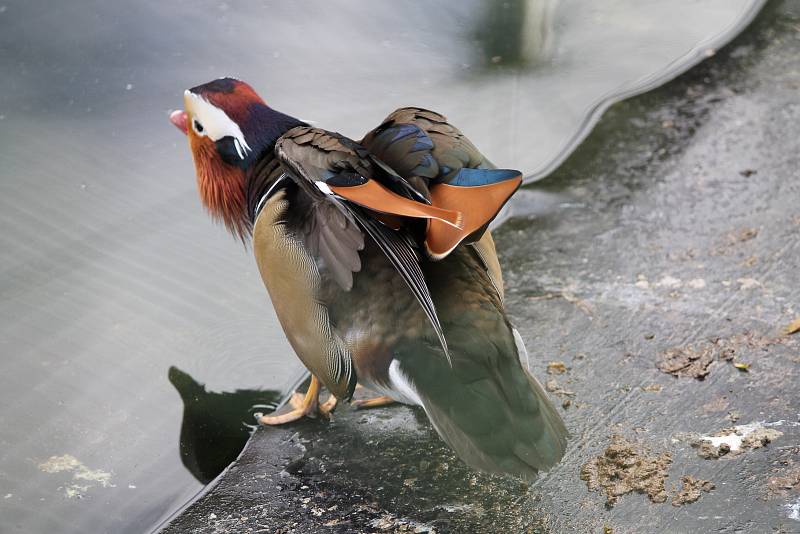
(215, 123)
(239, 148)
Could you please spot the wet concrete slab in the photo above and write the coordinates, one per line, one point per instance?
(671, 237)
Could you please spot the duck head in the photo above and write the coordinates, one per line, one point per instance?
(229, 128)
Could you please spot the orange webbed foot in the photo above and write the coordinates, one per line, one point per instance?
(303, 405)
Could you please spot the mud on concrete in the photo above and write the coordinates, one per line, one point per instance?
(626, 467)
(691, 490)
(629, 467)
(787, 481)
(695, 360)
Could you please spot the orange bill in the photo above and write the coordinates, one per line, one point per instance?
(377, 197)
(479, 205)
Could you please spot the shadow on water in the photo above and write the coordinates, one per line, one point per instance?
(215, 426)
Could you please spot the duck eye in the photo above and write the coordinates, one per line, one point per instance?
(197, 126)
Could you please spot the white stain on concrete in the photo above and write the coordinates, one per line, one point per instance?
(793, 510)
(748, 283)
(734, 439)
(696, 283)
(669, 282)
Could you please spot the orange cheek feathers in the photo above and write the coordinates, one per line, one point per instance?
(221, 186)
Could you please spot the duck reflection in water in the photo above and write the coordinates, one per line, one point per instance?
(213, 431)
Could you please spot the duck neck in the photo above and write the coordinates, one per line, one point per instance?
(266, 170)
(261, 178)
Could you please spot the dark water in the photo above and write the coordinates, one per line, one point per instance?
(124, 312)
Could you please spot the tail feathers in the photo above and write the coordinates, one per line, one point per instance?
(490, 433)
(497, 420)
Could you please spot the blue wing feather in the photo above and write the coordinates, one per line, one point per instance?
(475, 177)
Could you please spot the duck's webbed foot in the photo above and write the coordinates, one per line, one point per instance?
(303, 405)
(374, 402)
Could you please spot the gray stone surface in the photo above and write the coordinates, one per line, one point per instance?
(673, 231)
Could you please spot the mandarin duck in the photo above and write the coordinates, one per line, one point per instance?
(380, 265)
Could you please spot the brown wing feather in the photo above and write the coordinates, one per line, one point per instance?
(328, 231)
(451, 151)
(330, 168)
(330, 235)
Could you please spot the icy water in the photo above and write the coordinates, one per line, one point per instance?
(124, 312)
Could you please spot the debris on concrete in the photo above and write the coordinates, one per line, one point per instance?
(733, 239)
(717, 404)
(710, 451)
(787, 481)
(744, 367)
(579, 303)
(749, 261)
(745, 235)
(691, 361)
(556, 368)
(696, 283)
(691, 490)
(733, 416)
(695, 360)
(792, 328)
(748, 283)
(736, 440)
(651, 388)
(555, 388)
(390, 523)
(793, 510)
(760, 437)
(568, 296)
(669, 282)
(625, 467)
